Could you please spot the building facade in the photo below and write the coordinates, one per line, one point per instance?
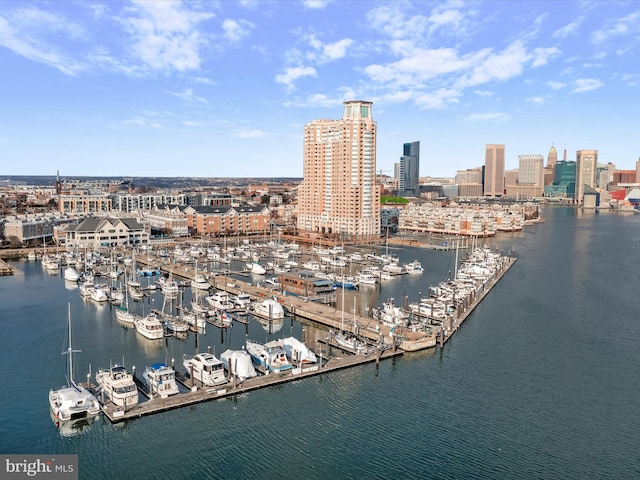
(95, 232)
(409, 170)
(339, 196)
(586, 163)
(494, 170)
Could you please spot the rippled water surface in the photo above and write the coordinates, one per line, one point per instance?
(540, 382)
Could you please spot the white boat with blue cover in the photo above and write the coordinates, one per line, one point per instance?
(271, 356)
(161, 380)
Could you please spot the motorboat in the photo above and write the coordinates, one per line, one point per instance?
(72, 401)
(414, 268)
(199, 282)
(256, 268)
(118, 386)
(238, 363)
(99, 294)
(150, 326)
(242, 300)
(298, 351)
(205, 367)
(71, 275)
(271, 356)
(220, 300)
(269, 309)
(168, 285)
(161, 380)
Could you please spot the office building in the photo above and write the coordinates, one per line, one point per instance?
(409, 171)
(586, 163)
(494, 170)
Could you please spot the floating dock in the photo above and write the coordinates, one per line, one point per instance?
(5, 268)
(198, 395)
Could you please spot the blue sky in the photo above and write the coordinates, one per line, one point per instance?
(223, 89)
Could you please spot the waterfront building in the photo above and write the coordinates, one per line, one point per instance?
(136, 202)
(33, 229)
(339, 196)
(564, 183)
(95, 232)
(637, 171)
(624, 176)
(530, 178)
(389, 219)
(586, 162)
(84, 203)
(228, 220)
(494, 170)
(167, 219)
(469, 183)
(409, 171)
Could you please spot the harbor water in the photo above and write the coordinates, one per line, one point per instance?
(541, 381)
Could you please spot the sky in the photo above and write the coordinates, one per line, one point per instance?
(224, 89)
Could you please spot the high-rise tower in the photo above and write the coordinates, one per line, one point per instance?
(339, 194)
(586, 162)
(409, 172)
(494, 170)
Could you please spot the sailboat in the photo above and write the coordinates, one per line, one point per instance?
(72, 401)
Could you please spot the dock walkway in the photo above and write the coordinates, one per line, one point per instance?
(198, 395)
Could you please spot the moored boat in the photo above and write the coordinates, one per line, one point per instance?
(72, 401)
(206, 368)
(118, 386)
(269, 309)
(271, 356)
(161, 380)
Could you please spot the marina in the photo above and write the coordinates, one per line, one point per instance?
(387, 332)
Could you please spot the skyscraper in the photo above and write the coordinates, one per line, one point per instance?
(409, 171)
(550, 170)
(494, 170)
(338, 194)
(586, 162)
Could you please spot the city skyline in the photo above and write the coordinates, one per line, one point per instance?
(225, 89)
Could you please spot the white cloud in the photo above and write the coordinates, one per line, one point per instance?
(248, 134)
(631, 80)
(537, 101)
(293, 73)
(489, 117)
(446, 17)
(483, 93)
(165, 35)
(568, 30)
(627, 25)
(437, 100)
(556, 85)
(205, 81)
(334, 51)
(394, 23)
(189, 96)
(236, 30)
(586, 85)
(190, 123)
(499, 66)
(543, 55)
(25, 33)
(316, 4)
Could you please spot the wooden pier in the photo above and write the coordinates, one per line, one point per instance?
(198, 395)
(5, 268)
(450, 325)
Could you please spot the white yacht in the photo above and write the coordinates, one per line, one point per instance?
(269, 309)
(199, 282)
(206, 368)
(161, 380)
(220, 300)
(118, 386)
(298, 351)
(150, 326)
(99, 294)
(271, 356)
(72, 401)
(242, 300)
(168, 285)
